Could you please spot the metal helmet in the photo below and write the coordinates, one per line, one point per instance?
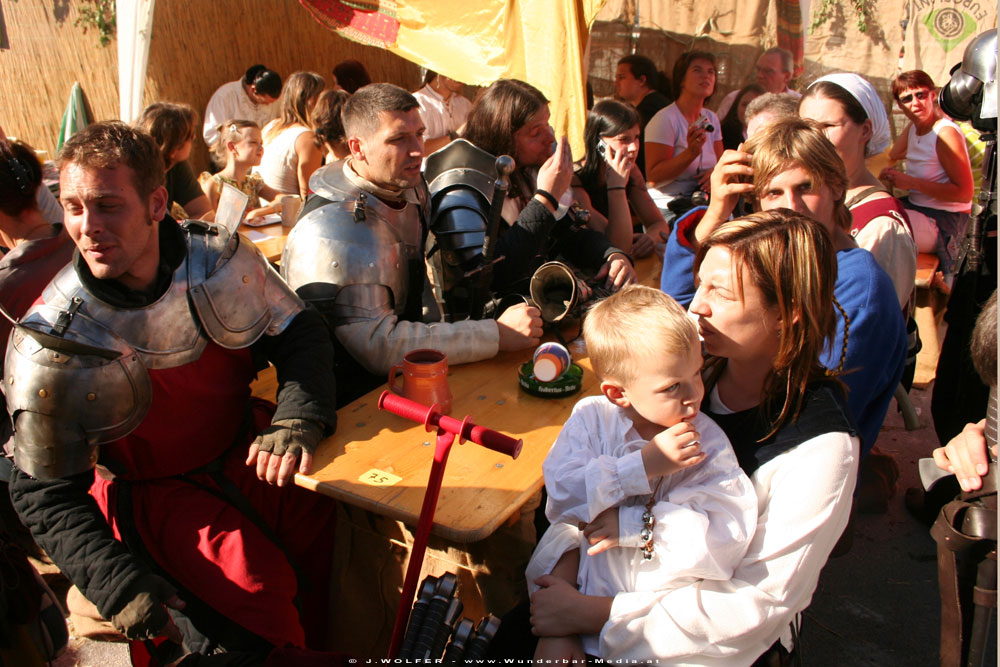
(971, 94)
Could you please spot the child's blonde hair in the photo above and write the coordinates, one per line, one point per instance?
(231, 130)
(621, 329)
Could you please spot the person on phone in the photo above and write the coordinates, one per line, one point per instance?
(511, 117)
(608, 183)
(684, 140)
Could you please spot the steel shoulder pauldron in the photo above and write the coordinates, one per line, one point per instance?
(355, 241)
(64, 404)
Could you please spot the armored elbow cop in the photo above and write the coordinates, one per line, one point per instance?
(76, 371)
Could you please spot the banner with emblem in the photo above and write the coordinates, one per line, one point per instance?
(939, 31)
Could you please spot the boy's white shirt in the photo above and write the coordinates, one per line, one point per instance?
(804, 498)
(705, 514)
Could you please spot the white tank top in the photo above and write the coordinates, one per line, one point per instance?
(922, 162)
(279, 165)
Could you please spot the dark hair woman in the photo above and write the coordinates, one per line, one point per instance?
(609, 183)
(734, 123)
(684, 140)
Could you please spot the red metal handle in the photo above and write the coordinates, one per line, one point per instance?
(432, 418)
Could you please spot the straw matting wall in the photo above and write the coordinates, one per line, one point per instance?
(196, 47)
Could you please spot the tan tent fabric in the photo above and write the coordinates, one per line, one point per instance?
(934, 40)
(737, 32)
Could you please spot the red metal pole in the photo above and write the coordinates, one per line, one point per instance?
(441, 450)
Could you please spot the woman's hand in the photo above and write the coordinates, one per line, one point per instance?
(617, 272)
(559, 650)
(965, 455)
(619, 167)
(642, 245)
(730, 179)
(696, 138)
(895, 178)
(555, 174)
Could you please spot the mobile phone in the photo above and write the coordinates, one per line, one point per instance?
(602, 149)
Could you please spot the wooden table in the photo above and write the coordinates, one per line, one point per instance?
(270, 239)
(380, 462)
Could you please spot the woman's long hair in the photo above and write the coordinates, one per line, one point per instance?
(293, 104)
(731, 123)
(171, 126)
(497, 113)
(608, 118)
(791, 259)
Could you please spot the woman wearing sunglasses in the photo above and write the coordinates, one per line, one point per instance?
(938, 174)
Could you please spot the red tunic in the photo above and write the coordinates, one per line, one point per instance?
(202, 541)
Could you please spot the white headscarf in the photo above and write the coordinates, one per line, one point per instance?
(865, 94)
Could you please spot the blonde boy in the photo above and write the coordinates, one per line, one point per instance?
(653, 483)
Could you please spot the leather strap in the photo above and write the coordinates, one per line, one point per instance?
(864, 194)
(962, 527)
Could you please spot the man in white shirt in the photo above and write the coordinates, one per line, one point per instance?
(442, 109)
(773, 71)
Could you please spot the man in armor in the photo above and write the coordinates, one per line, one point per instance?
(356, 251)
(145, 345)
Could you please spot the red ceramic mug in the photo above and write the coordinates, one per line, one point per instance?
(424, 378)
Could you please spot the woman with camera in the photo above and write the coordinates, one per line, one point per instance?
(684, 140)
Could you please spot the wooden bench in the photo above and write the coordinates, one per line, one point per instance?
(927, 266)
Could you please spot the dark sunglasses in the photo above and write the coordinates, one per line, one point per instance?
(920, 95)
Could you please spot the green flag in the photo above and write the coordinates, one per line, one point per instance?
(75, 116)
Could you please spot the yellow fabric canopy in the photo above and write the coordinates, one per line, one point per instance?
(477, 42)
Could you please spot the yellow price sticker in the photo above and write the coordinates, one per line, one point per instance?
(376, 477)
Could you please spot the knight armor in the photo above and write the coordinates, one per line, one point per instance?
(461, 179)
(351, 254)
(77, 367)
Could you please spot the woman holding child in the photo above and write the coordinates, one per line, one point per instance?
(765, 307)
